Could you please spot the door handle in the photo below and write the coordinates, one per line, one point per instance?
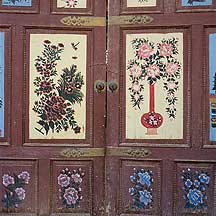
(100, 86)
(113, 85)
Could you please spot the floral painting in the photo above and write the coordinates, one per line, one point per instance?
(14, 186)
(212, 86)
(17, 3)
(195, 187)
(154, 85)
(141, 190)
(57, 86)
(141, 3)
(1, 84)
(71, 3)
(70, 190)
(196, 2)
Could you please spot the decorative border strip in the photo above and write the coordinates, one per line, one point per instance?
(85, 152)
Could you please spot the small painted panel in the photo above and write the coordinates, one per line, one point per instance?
(57, 99)
(141, 3)
(71, 3)
(141, 190)
(72, 186)
(18, 189)
(17, 3)
(140, 183)
(212, 80)
(1, 84)
(196, 2)
(154, 86)
(70, 189)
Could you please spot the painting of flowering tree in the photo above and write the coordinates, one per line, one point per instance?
(154, 62)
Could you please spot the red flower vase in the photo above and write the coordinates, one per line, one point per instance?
(152, 120)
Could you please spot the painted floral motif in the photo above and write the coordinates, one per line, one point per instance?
(70, 187)
(14, 189)
(153, 62)
(56, 99)
(141, 191)
(17, 3)
(195, 186)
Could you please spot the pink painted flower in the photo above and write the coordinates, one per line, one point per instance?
(25, 176)
(20, 193)
(153, 71)
(172, 68)
(136, 87)
(76, 178)
(63, 180)
(136, 70)
(166, 49)
(145, 50)
(171, 85)
(71, 196)
(7, 180)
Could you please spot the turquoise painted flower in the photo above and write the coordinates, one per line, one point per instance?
(188, 183)
(196, 183)
(204, 178)
(145, 197)
(195, 197)
(144, 178)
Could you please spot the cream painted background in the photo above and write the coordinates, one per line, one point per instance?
(80, 4)
(136, 3)
(170, 129)
(36, 48)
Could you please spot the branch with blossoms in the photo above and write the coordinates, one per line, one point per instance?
(14, 189)
(151, 63)
(55, 100)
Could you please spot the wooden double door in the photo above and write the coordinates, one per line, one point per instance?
(107, 107)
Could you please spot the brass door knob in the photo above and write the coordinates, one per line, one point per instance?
(100, 86)
(113, 85)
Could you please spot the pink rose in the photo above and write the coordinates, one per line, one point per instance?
(63, 180)
(76, 178)
(166, 49)
(172, 68)
(171, 85)
(153, 71)
(71, 196)
(145, 50)
(25, 176)
(136, 87)
(7, 180)
(20, 193)
(136, 70)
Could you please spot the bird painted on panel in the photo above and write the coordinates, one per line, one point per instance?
(192, 1)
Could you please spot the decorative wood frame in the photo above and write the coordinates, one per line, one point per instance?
(137, 10)
(180, 8)
(185, 142)
(7, 80)
(76, 11)
(88, 141)
(18, 9)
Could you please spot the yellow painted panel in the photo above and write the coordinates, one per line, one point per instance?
(57, 92)
(141, 3)
(71, 3)
(145, 54)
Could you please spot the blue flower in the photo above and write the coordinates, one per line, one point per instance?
(188, 183)
(196, 183)
(195, 197)
(144, 178)
(132, 178)
(205, 179)
(131, 191)
(145, 197)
